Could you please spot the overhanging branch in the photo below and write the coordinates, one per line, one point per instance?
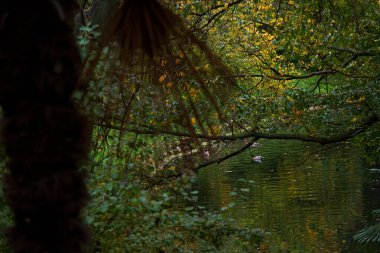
(286, 77)
(356, 52)
(259, 135)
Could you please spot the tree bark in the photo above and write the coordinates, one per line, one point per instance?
(45, 137)
(101, 12)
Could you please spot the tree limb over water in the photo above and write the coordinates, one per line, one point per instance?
(258, 135)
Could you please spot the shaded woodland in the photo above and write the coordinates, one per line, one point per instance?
(111, 108)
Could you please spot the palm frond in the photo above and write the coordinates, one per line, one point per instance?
(370, 234)
(160, 54)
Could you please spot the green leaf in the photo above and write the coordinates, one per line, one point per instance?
(232, 204)
(103, 207)
(232, 194)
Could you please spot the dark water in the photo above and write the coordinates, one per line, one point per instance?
(310, 198)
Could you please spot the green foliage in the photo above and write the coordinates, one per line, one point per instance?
(136, 207)
(277, 50)
(302, 67)
(5, 215)
(5, 221)
(126, 218)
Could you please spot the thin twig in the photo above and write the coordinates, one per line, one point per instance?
(313, 153)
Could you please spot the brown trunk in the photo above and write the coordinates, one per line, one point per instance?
(44, 136)
(101, 12)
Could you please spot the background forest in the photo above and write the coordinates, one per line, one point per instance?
(233, 73)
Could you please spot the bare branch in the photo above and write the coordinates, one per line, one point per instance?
(161, 179)
(213, 17)
(286, 77)
(356, 52)
(219, 6)
(232, 154)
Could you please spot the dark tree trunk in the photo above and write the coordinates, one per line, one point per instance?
(44, 136)
(101, 12)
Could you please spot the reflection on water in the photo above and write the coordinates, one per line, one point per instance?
(310, 198)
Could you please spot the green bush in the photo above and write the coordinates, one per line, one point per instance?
(126, 218)
(5, 220)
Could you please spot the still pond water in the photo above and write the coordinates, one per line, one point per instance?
(311, 198)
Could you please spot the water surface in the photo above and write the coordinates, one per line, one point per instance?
(311, 198)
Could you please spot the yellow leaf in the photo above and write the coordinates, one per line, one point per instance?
(216, 129)
(193, 92)
(193, 121)
(162, 78)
